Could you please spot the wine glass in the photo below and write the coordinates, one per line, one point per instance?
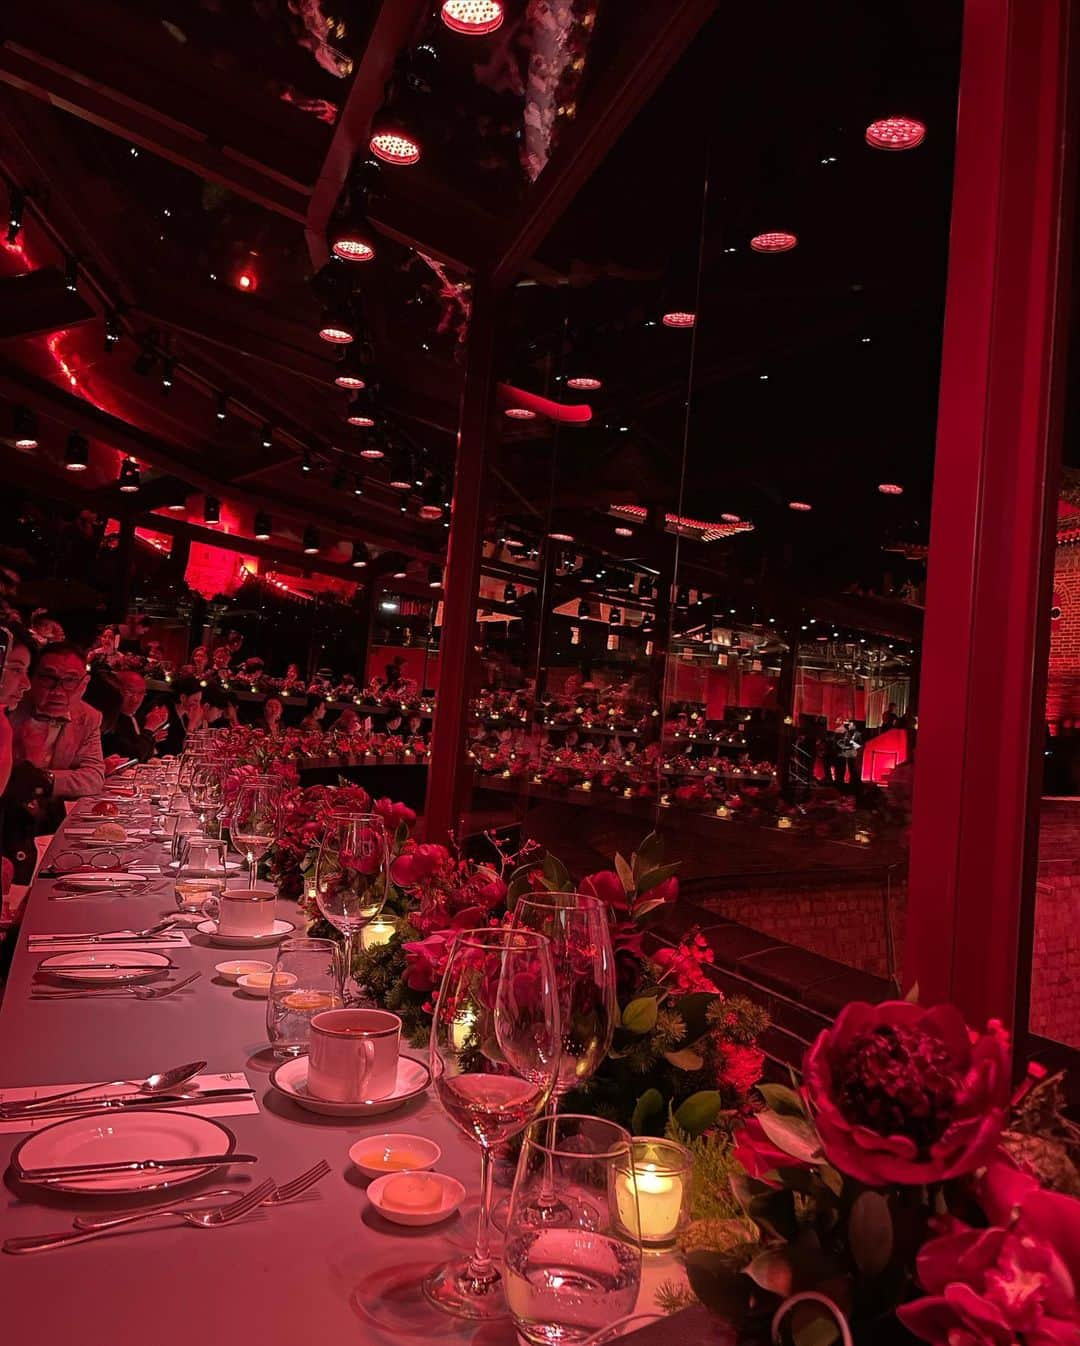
(567, 1279)
(206, 789)
(254, 818)
(582, 954)
(495, 1043)
(306, 980)
(352, 875)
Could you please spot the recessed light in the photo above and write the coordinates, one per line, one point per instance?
(678, 318)
(777, 241)
(895, 133)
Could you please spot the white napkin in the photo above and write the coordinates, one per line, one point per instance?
(228, 1107)
(41, 943)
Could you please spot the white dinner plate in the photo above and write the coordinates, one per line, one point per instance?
(97, 880)
(229, 864)
(117, 965)
(290, 1079)
(210, 929)
(119, 1136)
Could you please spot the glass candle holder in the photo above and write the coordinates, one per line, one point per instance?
(664, 1174)
(379, 931)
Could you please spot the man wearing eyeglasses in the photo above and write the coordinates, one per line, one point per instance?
(57, 736)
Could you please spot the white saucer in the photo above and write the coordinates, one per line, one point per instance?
(120, 1136)
(453, 1193)
(117, 965)
(210, 929)
(290, 1078)
(239, 966)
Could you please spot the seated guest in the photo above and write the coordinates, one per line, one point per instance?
(220, 708)
(348, 722)
(14, 683)
(185, 715)
(315, 712)
(129, 738)
(272, 713)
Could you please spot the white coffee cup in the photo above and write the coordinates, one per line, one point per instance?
(247, 911)
(353, 1054)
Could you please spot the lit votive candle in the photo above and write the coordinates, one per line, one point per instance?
(862, 837)
(376, 933)
(783, 822)
(663, 1174)
(723, 811)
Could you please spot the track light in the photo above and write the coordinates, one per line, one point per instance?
(77, 453)
(222, 406)
(357, 487)
(311, 540)
(178, 500)
(434, 577)
(262, 526)
(403, 508)
(510, 593)
(615, 617)
(112, 331)
(351, 244)
(392, 142)
(268, 436)
(211, 510)
(26, 435)
(582, 610)
(71, 274)
(305, 465)
(337, 327)
(473, 18)
(359, 555)
(359, 411)
(129, 476)
(167, 371)
(16, 203)
(350, 372)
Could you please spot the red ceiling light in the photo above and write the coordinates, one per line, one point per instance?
(430, 512)
(890, 488)
(365, 422)
(334, 329)
(799, 505)
(561, 537)
(730, 518)
(775, 242)
(895, 133)
(393, 145)
(247, 281)
(678, 319)
(474, 18)
(372, 452)
(585, 385)
(351, 381)
(352, 246)
(520, 414)
(400, 483)
(624, 532)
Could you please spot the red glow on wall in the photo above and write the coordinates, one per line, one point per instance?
(883, 754)
(585, 385)
(395, 147)
(474, 18)
(678, 318)
(774, 242)
(895, 133)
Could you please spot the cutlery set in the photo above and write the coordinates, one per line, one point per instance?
(112, 991)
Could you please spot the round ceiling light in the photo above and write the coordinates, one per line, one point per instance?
(352, 247)
(585, 385)
(365, 422)
(372, 452)
(890, 488)
(346, 379)
(800, 505)
(520, 414)
(730, 518)
(474, 18)
(333, 328)
(430, 512)
(624, 532)
(678, 319)
(775, 242)
(895, 133)
(394, 146)
(561, 537)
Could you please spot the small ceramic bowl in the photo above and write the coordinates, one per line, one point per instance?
(258, 983)
(392, 1152)
(240, 967)
(451, 1196)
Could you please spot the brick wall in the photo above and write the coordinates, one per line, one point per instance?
(1063, 689)
(1055, 968)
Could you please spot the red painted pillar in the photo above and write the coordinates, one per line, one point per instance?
(979, 757)
(450, 772)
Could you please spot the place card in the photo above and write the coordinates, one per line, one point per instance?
(227, 1107)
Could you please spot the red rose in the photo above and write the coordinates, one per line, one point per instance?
(488, 889)
(412, 866)
(425, 959)
(992, 1287)
(607, 886)
(394, 814)
(903, 1094)
(756, 1152)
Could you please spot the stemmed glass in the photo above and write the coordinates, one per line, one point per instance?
(206, 790)
(495, 1043)
(254, 819)
(352, 875)
(583, 957)
(566, 1280)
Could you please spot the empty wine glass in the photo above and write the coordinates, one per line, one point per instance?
(352, 875)
(254, 818)
(206, 790)
(565, 1280)
(578, 927)
(495, 1042)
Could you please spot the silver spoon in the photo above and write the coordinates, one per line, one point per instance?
(160, 1082)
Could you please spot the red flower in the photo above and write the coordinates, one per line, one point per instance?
(425, 960)
(903, 1094)
(743, 1066)
(756, 1152)
(993, 1287)
(1011, 1198)
(667, 891)
(412, 866)
(394, 814)
(607, 886)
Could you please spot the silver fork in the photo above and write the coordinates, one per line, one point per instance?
(286, 1192)
(139, 992)
(206, 1219)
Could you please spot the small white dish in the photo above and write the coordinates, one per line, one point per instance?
(240, 967)
(113, 965)
(257, 984)
(394, 1152)
(452, 1194)
(210, 929)
(290, 1078)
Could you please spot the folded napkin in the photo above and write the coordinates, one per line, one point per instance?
(229, 1107)
(42, 943)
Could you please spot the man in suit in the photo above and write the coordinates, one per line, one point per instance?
(129, 738)
(185, 715)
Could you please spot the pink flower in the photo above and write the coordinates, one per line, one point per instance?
(606, 885)
(394, 814)
(1013, 1199)
(756, 1152)
(425, 960)
(903, 1094)
(993, 1287)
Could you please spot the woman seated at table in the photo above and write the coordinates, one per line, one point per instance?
(348, 722)
(315, 712)
(272, 713)
(220, 708)
(185, 716)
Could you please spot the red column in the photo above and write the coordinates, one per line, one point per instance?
(980, 724)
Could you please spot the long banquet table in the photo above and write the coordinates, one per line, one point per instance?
(326, 1268)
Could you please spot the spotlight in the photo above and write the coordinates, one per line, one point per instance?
(268, 436)
(357, 487)
(774, 242)
(510, 593)
(434, 577)
(350, 373)
(352, 245)
(26, 435)
(890, 488)
(399, 574)
(392, 142)
(895, 133)
(359, 555)
(800, 506)
(615, 617)
(561, 537)
(473, 18)
(77, 453)
(167, 371)
(403, 508)
(305, 465)
(178, 499)
(585, 383)
(624, 532)
(311, 540)
(399, 481)
(112, 331)
(582, 610)
(430, 511)
(372, 451)
(262, 526)
(337, 328)
(212, 510)
(71, 274)
(129, 476)
(679, 318)
(520, 414)
(222, 406)
(358, 412)
(16, 203)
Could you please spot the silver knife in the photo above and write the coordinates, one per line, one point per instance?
(105, 967)
(61, 1171)
(10, 1112)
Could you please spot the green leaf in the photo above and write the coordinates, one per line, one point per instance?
(649, 1105)
(870, 1232)
(745, 1189)
(519, 885)
(791, 1269)
(718, 1285)
(773, 1271)
(774, 1213)
(640, 1015)
(626, 875)
(685, 1059)
(783, 1101)
(693, 1009)
(556, 875)
(642, 909)
(656, 876)
(698, 1112)
(648, 855)
(793, 1135)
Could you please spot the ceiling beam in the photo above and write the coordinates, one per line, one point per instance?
(268, 551)
(649, 49)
